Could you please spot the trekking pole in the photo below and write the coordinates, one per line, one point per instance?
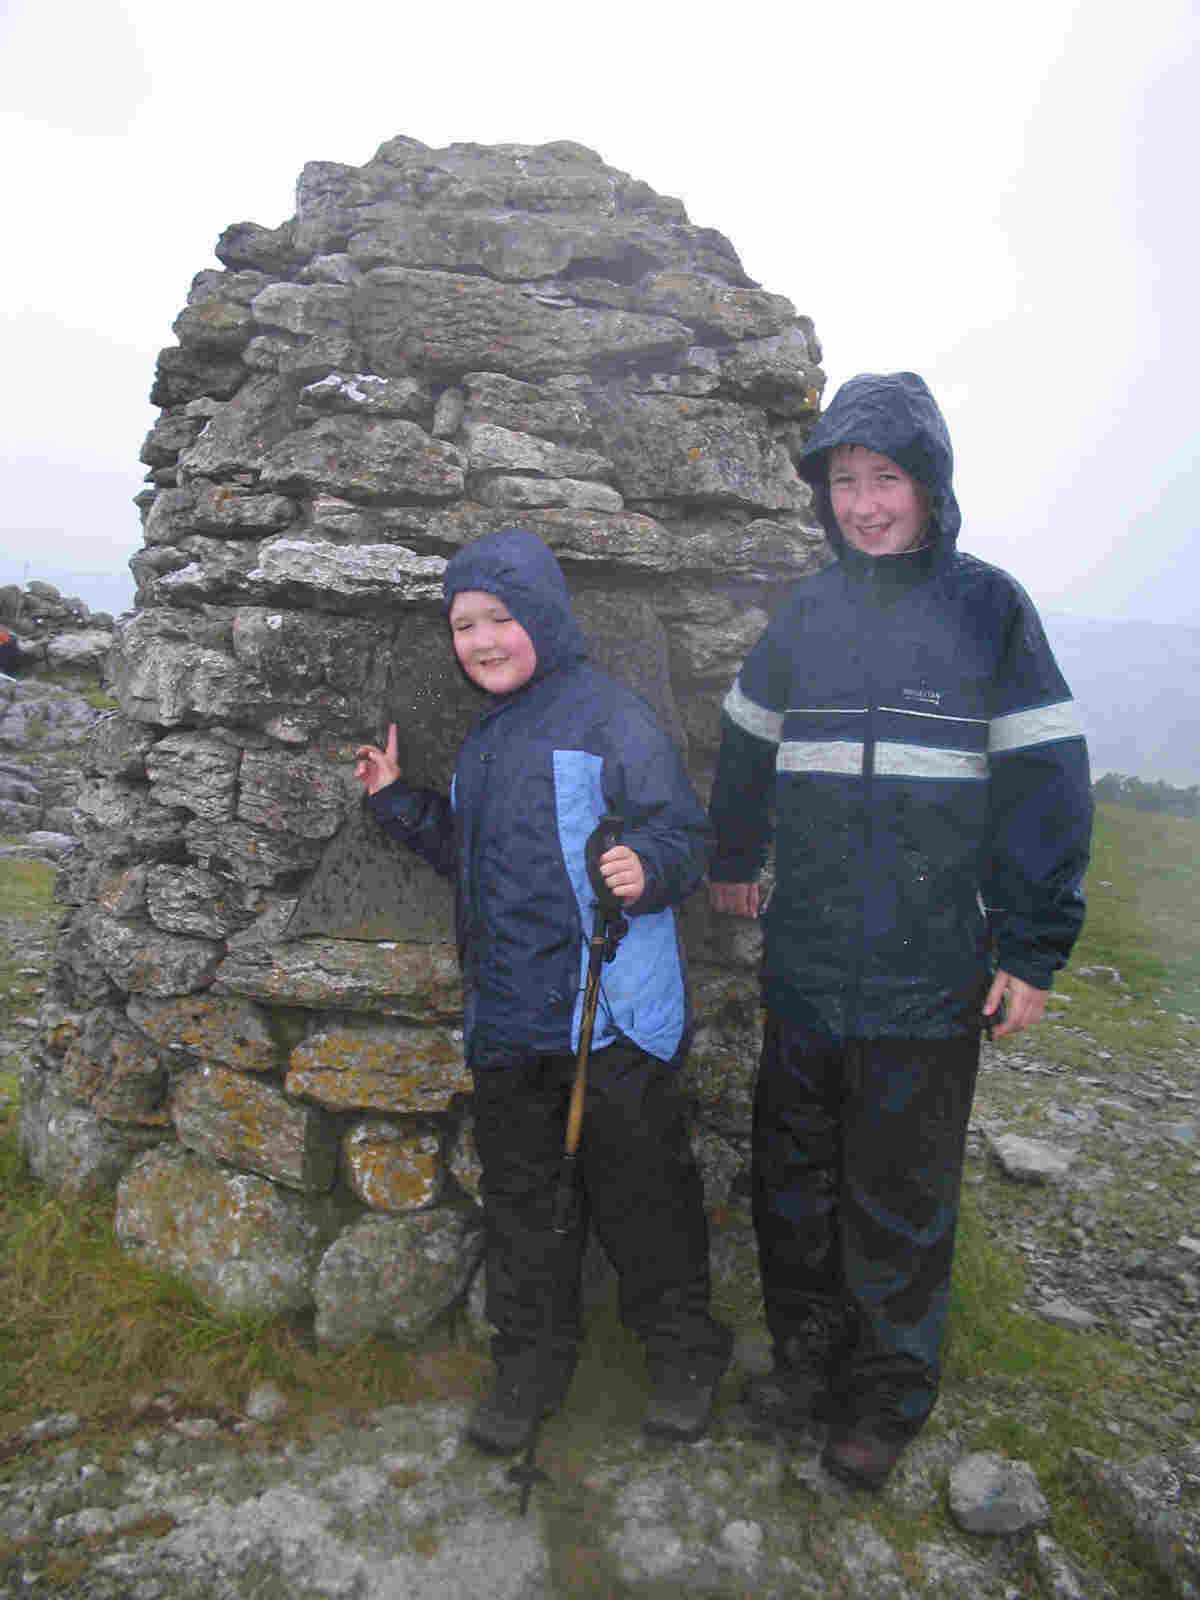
(608, 929)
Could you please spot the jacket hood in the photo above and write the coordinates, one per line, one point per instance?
(895, 414)
(521, 570)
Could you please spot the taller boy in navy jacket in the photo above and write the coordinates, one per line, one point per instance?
(906, 721)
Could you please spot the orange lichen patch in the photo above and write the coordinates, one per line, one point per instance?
(364, 1091)
(381, 1067)
(391, 1169)
(248, 1123)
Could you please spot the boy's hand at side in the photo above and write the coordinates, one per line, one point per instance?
(734, 899)
(1025, 1004)
(375, 768)
(622, 871)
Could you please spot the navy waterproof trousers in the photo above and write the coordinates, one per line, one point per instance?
(638, 1185)
(857, 1171)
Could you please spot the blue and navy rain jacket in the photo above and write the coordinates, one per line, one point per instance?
(906, 723)
(531, 782)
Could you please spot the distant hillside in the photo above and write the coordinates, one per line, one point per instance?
(1138, 689)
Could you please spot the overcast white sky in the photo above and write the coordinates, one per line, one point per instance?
(1002, 199)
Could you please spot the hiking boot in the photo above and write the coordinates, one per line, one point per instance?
(680, 1406)
(501, 1422)
(863, 1453)
(797, 1391)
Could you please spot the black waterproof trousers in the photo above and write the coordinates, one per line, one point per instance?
(638, 1185)
(857, 1171)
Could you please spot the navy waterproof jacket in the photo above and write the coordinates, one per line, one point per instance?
(905, 720)
(531, 782)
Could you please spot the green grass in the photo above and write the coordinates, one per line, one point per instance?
(27, 909)
(1143, 889)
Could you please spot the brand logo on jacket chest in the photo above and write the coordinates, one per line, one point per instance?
(924, 696)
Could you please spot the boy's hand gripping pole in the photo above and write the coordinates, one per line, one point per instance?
(609, 927)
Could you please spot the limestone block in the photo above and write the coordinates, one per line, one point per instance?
(445, 324)
(347, 677)
(512, 247)
(212, 1028)
(697, 373)
(69, 1147)
(418, 982)
(270, 250)
(257, 857)
(17, 786)
(204, 572)
(182, 375)
(197, 771)
(547, 410)
(317, 572)
(174, 431)
(665, 447)
(308, 360)
(334, 268)
(213, 325)
(79, 651)
(189, 901)
(244, 1244)
(349, 1065)
(239, 437)
(720, 309)
(368, 886)
(367, 394)
(990, 1494)
(318, 308)
(121, 823)
(712, 633)
(494, 449)
(116, 746)
(122, 893)
(363, 458)
(249, 1122)
(524, 492)
(169, 666)
(392, 1167)
(170, 517)
(294, 794)
(220, 508)
(579, 538)
(394, 1275)
(142, 960)
(116, 1072)
(77, 979)
(777, 373)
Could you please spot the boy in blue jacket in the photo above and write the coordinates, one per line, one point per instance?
(906, 721)
(560, 745)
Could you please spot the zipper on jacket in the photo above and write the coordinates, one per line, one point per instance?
(870, 696)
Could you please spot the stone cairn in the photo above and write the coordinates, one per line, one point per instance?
(252, 1028)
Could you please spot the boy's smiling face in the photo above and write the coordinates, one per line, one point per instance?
(492, 647)
(878, 508)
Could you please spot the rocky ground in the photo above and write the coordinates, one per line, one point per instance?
(1082, 1155)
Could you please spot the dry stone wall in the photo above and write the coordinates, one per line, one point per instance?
(253, 1025)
